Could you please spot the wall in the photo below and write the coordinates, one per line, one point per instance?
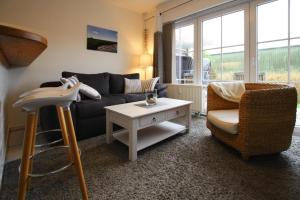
(149, 24)
(3, 90)
(64, 23)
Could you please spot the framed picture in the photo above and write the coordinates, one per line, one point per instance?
(101, 39)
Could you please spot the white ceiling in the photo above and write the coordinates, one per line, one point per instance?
(140, 6)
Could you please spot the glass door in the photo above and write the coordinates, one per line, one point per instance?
(224, 47)
(278, 43)
(184, 47)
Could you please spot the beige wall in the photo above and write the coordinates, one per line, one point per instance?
(63, 23)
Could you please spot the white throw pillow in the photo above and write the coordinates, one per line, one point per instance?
(89, 91)
(133, 86)
(149, 85)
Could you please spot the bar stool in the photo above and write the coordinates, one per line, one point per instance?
(31, 102)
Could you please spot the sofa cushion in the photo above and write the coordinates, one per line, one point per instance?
(99, 82)
(117, 82)
(135, 97)
(132, 97)
(227, 120)
(91, 108)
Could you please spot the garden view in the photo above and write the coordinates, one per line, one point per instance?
(272, 63)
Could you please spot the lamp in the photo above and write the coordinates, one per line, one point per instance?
(145, 58)
(145, 62)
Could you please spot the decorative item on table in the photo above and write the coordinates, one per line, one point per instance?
(151, 97)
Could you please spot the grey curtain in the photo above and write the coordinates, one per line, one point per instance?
(158, 57)
(167, 38)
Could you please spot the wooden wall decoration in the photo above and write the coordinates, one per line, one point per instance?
(20, 48)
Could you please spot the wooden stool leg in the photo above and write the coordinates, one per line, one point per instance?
(32, 149)
(27, 146)
(76, 156)
(64, 131)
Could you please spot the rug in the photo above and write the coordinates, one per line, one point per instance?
(186, 166)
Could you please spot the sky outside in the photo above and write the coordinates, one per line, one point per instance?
(101, 33)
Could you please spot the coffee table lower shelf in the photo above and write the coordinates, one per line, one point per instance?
(151, 135)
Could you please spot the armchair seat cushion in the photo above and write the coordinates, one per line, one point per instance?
(227, 120)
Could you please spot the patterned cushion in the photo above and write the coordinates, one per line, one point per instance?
(133, 86)
(117, 82)
(138, 86)
(148, 85)
(71, 81)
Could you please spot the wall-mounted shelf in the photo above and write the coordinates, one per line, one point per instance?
(20, 48)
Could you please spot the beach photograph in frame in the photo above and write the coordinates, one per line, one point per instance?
(101, 39)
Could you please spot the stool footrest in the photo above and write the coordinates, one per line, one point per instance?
(54, 171)
(50, 143)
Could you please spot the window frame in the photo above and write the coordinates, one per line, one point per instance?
(198, 40)
(254, 40)
(223, 12)
(181, 25)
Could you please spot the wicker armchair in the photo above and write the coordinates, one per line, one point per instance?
(267, 114)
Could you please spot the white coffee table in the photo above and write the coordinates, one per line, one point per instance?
(145, 126)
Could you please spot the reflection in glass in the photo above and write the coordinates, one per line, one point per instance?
(211, 62)
(185, 54)
(295, 60)
(272, 20)
(233, 63)
(233, 29)
(212, 33)
(295, 17)
(273, 61)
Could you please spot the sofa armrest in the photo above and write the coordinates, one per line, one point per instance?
(161, 89)
(268, 115)
(215, 102)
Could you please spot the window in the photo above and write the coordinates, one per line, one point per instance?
(218, 46)
(223, 47)
(185, 54)
(278, 43)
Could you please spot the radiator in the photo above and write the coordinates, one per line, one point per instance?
(189, 92)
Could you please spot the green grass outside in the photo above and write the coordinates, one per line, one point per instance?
(273, 62)
(298, 106)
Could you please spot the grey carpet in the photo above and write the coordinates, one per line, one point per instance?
(187, 166)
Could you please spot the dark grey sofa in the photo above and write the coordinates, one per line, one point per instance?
(89, 115)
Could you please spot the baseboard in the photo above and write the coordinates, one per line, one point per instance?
(297, 131)
(2, 163)
(14, 142)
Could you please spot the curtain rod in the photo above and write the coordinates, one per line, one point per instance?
(148, 18)
(175, 7)
(213, 9)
